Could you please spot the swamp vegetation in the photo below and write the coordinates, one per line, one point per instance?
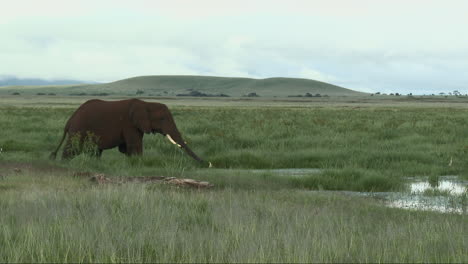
(47, 215)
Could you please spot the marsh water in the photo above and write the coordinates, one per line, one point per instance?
(448, 194)
(289, 172)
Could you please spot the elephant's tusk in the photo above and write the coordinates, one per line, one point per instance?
(172, 140)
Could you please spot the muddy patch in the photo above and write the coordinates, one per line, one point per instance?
(20, 167)
(17, 168)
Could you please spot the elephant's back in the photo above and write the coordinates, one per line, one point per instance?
(95, 114)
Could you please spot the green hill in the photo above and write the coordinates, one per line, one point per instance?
(175, 85)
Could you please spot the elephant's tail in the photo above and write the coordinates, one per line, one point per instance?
(53, 155)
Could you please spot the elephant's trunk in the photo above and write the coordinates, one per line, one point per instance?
(190, 152)
(181, 144)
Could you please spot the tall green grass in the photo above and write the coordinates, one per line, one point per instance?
(47, 215)
(51, 217)
(371, 146)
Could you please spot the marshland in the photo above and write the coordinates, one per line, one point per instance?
(358, 144)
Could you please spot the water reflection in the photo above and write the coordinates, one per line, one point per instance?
(448, 196)
(442, 204)
(449, 184)
(289, 172)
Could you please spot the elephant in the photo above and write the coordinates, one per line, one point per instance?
(119, 124)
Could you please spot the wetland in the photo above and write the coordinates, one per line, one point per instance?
(311, 181)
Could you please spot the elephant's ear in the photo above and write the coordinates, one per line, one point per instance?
(139, 115)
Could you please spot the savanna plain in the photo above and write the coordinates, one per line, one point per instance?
(251, 214)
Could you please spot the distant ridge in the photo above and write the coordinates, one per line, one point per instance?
(177, 84)
(14, 81)
(172, 85)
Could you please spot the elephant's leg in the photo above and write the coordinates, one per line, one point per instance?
(123, 148)
(134, 143)
(135, 148)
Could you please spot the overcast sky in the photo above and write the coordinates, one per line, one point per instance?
(418, 46)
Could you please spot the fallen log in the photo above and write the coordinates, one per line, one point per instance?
(102, 179)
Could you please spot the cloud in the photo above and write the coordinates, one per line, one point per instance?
(387, 46)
